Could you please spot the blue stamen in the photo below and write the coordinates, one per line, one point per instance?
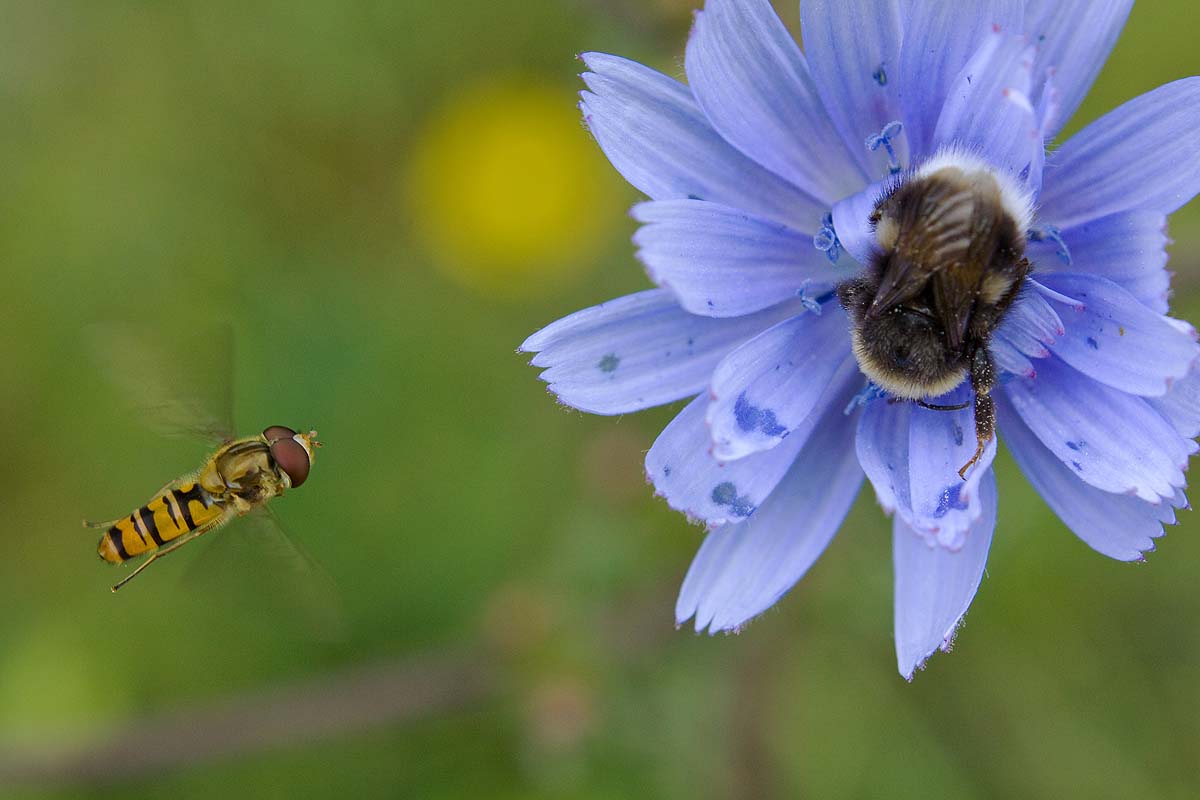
(1049, 233)
(826, 239)
(868, 395)
(809, 303)
(884, 139)
(880, 75)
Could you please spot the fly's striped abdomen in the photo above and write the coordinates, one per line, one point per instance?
(170, 514)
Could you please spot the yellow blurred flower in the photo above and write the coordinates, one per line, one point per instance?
(507, 189)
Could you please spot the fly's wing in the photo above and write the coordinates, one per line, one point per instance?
(258, 568)
(179, 386)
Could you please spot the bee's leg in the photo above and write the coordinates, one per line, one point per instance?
(936, 407)
(983, 379)
(203, 529)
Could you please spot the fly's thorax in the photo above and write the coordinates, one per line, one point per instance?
(247, 471)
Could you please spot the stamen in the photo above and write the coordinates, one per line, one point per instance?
(826, 239)
(884, 139)
(1049, 233)
(880, 75)
(810, 304)
(868, 395)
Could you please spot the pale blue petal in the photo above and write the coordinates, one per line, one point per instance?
(935, 586)
(692, 480)
(1128, 248)
(852, 220)
(1119, 526)
(1112, 440)
(1143, 156)
(939, 39)
(1031, 324)
(723, 262)
(743, 569)
(751, 80)
(1118, 341)
(766, 388)
(943, 505)
(1074, 38)
(912, 456)
(882, 448)
(1181, 405)
(1009, 359)
(853, 50)
(988, 111)
(638, 351)
(658, 138)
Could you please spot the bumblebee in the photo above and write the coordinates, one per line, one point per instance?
(948, 265)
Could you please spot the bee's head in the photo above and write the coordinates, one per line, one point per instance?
(292, 451)
(903, 351)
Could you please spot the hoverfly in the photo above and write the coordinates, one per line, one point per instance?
(190, 397)
(241, 476)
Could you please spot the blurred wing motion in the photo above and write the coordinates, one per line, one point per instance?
(185, 390)
(182, 387)
(258, 566)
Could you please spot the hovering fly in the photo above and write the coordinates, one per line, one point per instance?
(190, 396)
(241, 476)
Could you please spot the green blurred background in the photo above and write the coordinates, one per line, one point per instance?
(386, 198)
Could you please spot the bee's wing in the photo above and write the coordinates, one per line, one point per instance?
(938, 236)
(255, 564)
(178, 386)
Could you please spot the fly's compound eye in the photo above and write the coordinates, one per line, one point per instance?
(288, 453)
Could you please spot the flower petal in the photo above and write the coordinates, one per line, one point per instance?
(1112, 440)
(1031, 323)
(882, 448)
(722, 262)
(751, 80)
(935, 586)
(1074, 38)
(944, 506)
(638, 351)
(939, 40)
(912, 456)
(658, 138)
(1117, 525)
(852, 220)
(1142, 156)
(853, 50)
(1009, 359)
(1181, 405)
(766, 388)
(685, 472)
(987, 108)
(1118, 341)
(1128, 248)
(743, 569)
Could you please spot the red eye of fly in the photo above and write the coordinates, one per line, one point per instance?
(289, 454)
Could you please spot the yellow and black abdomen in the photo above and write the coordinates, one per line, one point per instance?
(176, 510)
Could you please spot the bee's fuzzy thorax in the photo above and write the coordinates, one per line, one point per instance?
(1015, 198)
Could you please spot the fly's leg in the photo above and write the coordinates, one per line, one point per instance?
(203, 529)
(98, 525)
(983, 379)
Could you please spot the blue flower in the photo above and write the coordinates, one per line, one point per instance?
(763, 173)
